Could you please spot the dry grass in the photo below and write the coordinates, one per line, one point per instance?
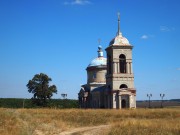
(145, 126)
(127, 122)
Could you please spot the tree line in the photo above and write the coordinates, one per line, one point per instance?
(27, 103)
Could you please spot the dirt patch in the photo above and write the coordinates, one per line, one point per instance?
(95, 130)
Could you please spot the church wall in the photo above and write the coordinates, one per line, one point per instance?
(118, 81)
(97, 75)
(96, 101)
(126, 52)
(132, 101)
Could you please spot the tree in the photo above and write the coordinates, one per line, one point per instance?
(39, 86)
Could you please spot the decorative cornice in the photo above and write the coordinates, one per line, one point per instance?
(119, 47)
(96, 67)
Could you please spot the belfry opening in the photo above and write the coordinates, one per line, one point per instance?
(122, 63)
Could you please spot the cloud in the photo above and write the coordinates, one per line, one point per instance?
(144, 37)
(178, 69)
(77, 2)
(166, 29)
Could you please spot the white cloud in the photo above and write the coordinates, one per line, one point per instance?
(164, 28)
(77, 2)
(178, 68)
(144, 37)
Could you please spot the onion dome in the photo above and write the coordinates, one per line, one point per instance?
(100, 60)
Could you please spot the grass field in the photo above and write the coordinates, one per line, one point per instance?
(122, 122)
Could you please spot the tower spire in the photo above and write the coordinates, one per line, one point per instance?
(119, 32)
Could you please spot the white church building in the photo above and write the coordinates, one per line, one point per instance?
(110, 81)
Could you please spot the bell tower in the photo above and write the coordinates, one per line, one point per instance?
(120, 77)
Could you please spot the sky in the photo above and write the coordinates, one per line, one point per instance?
(60, 38)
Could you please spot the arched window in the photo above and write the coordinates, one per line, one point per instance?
(122, 63)
(123, 86)
(109, 64)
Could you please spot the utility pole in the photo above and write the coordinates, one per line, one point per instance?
(149, 95)
(23, 102)
(162, 96)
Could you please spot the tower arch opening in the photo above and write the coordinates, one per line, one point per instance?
(123, 103)
(122, 63)
(123, 86)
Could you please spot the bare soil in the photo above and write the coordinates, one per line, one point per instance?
(95, 130)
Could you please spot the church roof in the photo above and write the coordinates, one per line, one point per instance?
(100, 60)
(119, 40)
(85, 88)
(100, 89)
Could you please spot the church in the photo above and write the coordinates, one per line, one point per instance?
(110, 81)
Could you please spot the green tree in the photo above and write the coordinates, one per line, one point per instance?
(39, 86)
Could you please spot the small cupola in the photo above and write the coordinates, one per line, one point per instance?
(100, 60)
(100, 51)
